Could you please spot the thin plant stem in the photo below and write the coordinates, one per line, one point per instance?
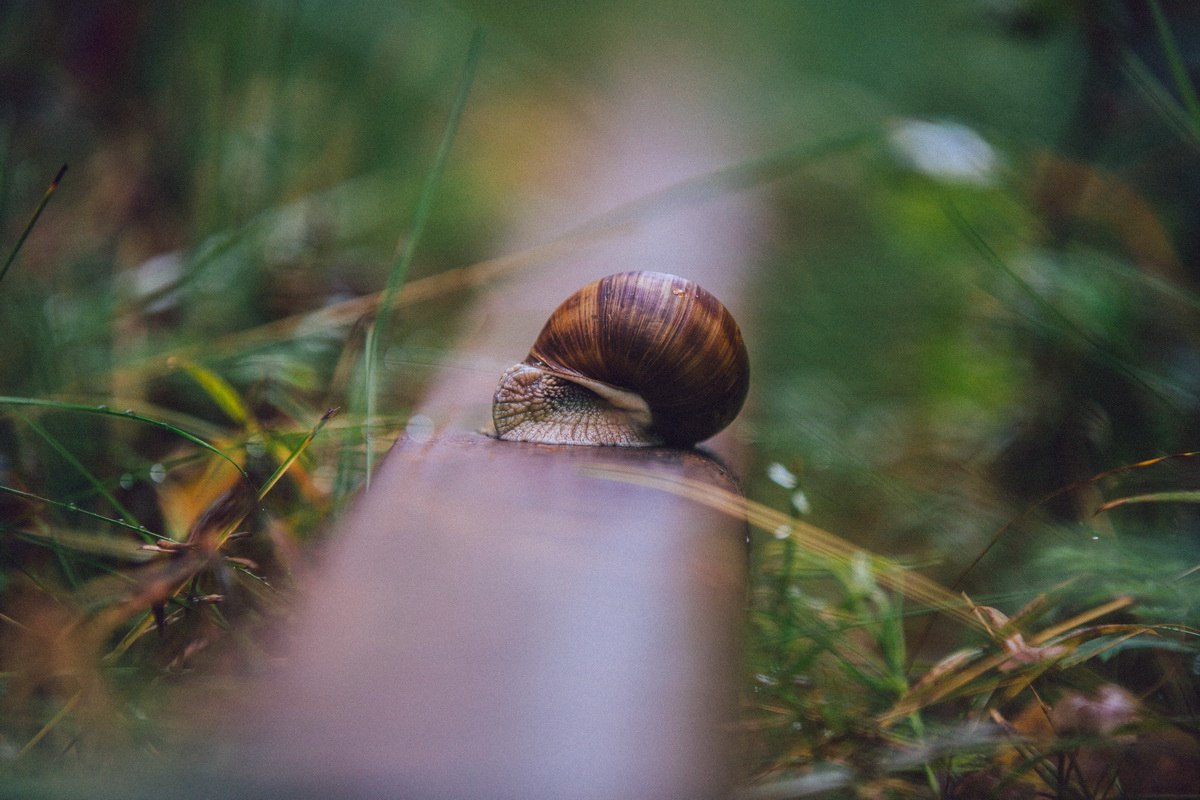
(50, 725)
(37, 212)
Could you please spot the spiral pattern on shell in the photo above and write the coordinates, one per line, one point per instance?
(659, 336)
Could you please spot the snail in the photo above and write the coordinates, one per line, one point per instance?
(634, 359)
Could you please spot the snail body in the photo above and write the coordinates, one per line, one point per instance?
(634, 359)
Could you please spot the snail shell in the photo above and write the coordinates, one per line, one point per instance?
(634, 359)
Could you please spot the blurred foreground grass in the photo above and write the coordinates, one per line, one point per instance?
(975, 305)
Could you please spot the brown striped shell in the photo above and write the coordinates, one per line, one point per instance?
(649, 335)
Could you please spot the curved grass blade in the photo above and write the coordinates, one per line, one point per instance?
(37, 212)
(1183, 496)
(810, 538)
(80, 468)
(219, 390)
(126, 414)
(140, 530)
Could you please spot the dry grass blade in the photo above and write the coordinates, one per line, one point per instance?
(813, 539)
(1017, 660)
(347, 312)
(570, 244)
(157, 583)
(51, 724)
(1151, 497)
(1081, 619)
(91, 543)
(961, 678)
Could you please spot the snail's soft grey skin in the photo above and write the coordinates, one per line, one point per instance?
(635, 359)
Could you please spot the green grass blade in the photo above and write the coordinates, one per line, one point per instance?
(1059, 318)
(408, 247)
(71, 507)
(1160, 99)
(79, 467)
(37, 212)
(219, 390)
(1178, 67)
(286, 464)
(126, 414)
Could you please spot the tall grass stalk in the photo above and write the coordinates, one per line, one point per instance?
(37, 212)
(407, 248)
(1177, 64)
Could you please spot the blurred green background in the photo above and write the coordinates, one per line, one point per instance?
(976, 287)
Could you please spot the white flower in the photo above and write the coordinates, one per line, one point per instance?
(946, 150)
